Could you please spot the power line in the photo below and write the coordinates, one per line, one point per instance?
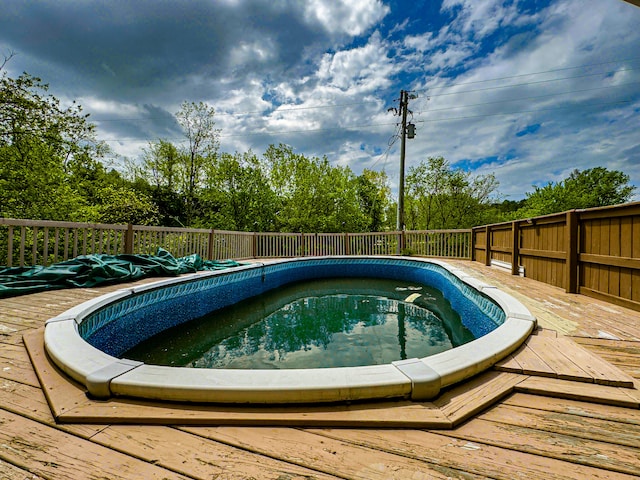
(375, 125)
(435, 120)
(527, 98)
(630, 60)
(296, 108)
(521, 84)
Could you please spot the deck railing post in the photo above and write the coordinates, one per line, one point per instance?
(210, 245)
(572, 252)
(515, 248)
(254, 246)
(347, 247)
(128, 240)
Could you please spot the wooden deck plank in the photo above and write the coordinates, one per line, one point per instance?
(508, 364)
(531, 364)
(11, 472)
(594, 393)
(198, 457)
(607, 431)
(51, 453)
(602, 455)
(328, 455)
(549, 350)
(459, 453)
(30, 402)
(15, 365)
(464, 401)
(623, 354)
(574, 407)
(601, 371)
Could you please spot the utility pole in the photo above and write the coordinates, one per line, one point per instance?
(404, 100)
(406, 131)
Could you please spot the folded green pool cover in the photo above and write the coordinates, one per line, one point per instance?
(99, 269)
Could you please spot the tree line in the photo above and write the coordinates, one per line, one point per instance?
(53, 167)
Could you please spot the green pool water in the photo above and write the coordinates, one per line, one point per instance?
(314, 324)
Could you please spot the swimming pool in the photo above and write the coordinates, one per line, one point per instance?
(86, 342)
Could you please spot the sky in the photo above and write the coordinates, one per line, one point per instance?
(527, 90)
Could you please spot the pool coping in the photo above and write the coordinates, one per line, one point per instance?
(418, 379)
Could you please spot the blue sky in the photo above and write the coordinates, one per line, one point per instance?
(527, 90)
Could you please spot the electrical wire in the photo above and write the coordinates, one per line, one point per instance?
(538, 82)
(435, 120)
(630, 60)
(424, 91)
(419, 112)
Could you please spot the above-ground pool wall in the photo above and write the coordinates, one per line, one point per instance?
(148, 311)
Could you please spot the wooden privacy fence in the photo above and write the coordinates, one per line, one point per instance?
(595, 252)
(44, 242)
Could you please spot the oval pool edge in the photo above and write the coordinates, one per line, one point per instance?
(418, 379)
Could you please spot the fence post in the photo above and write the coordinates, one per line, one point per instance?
(571, 264)
(128, 240)
(347, 247)
(487, 246)
(472, 245)
(401, 242)
(515, 248)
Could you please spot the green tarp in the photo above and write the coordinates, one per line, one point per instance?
(93, 270)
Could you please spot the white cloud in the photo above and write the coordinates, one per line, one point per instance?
(479, 18)
(352, 17)
(358, 69)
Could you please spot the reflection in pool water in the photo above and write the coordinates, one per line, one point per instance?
(314, 324)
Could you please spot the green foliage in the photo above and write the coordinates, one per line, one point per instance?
(374, 194)
(198, 123)
(314, 196)
(595, 187)
(118, 205)
(238, 196)
(39, 141)
(440, 197)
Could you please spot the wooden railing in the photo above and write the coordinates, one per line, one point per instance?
(595, 252)
(41, 242)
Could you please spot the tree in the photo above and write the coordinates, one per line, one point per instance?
(595, 187)
(440, 197)
(159, 176)
(198, 123)
(39, 140)
(238, 195)
(313, 195)
(121, 204)
(374, 196)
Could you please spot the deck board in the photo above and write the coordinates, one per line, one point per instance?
(560, 446)
(196, 456)
(333, 456)
(539, 427)
(463, 454)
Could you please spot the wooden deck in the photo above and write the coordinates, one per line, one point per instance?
(566, 405)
